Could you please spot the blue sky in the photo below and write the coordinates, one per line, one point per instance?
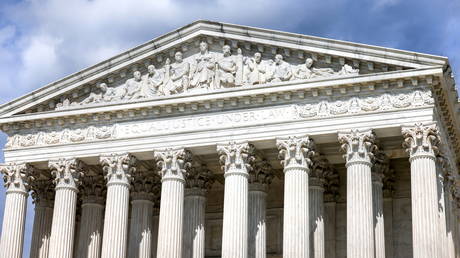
(44, 40)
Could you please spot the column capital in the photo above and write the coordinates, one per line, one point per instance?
(358, 146)
(43, 192)
(118, 167)
(199, 177)
(295, 152)
(174, 163)
(18, 177)
(321, 171)
(93, 189)
(380, 167)
(236, 157)
(67, 172)
(421, 140)
(145, 186)
(261, 175)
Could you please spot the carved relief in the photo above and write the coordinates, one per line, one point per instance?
(67, 172)
(236, 156)
(118, 167)
(18, 176)
(43, 192)
(202, 72)
(421, 139)
(357, 145)
(173, 163)
(296, 152)
(200, 177)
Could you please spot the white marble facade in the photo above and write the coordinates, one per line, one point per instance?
(221, 140)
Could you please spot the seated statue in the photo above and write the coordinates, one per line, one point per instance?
(179, 74)
(256, 70)
(281, 70)
(96, 95)
(134, 86)
(152, 82)
(306, 71)
(226, 69)
(348, 70)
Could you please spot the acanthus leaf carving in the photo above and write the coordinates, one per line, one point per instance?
(236, 157)
(43, 192)
(118, 167)
(421, 139)
(296, 152)
(145, 186)
(200, 177)
(93, 189)
(173, 163)
(358, 146)
(18, 177)
(262, 173)
(67, 172)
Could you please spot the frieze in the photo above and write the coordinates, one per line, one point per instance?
(203, 72)
(278, 114)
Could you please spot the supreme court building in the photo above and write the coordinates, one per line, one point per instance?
(220, 140)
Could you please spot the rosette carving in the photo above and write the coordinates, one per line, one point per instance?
(118, 167)
(421, 139)
(358, 146)
(173, 163)
(18, 176)
(296, 152)
(236, 156)
(67, 172)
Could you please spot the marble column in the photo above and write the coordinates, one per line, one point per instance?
(319, 173)
(174, 164)
(331, 188)
(117, 168)
(92, 216)
(67, 173)
(236, 159)
(156, 220)
(142, 200)
(295, 153)
(388, 191)
(259, 179)
(198, 181)
(43, 197)
(421, 141)
(380, 168)
(17, 179)
(358, 147)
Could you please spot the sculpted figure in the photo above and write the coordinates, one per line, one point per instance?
(347, 70)
(281, 70)
(97, 95)
(256, 70)
(152, 81)
(179, 74)
(306, 71)
(226, 68)
(205, 67)
(134, 86)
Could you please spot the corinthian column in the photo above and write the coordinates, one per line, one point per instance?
(143, 192)
(92, 216)
(43, 198)
(235, 159)
(320, 172)
(380, 168)
(67, 173)
(295, 153)
(198, 182)
(422, 142)
(259, 178)
(174, 164)
(117, 169)
(358, 146)
(17, 178)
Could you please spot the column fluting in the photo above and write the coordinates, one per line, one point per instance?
(174, 164)
(43, 197)
(295, 153)
(358, 147)
(379, 170)
(236, 159)
(67, 173)
(421, 142)
(198, 181)
(17, 179)
(92, 215)
(117, 169)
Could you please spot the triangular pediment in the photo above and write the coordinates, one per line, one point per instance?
(205, 57)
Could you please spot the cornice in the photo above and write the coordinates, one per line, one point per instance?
(232, 98)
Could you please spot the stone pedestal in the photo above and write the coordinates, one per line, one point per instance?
(421, 142)
(67, 173)
(117, 169)
(295, 153)
(235, 159)
(358, 146)
(17, 179)
(174, 164)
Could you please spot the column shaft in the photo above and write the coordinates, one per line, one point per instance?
(140, 236)
(296, 218)
(114, 242)
(379, 224)
(41, 231)
(317, 244)
(63, 226)
(360, 224)
(156, 221)
(329, 232)
(90, 237)
(257, 226)
(388, 215)
(194, 227)
(171, 224)
(14, 219)
(450, 227)
(235, 221)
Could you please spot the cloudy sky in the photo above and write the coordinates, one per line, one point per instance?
(44, 40)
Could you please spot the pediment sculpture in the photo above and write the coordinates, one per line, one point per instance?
(205, 71)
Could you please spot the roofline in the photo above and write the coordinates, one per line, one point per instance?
(223, 28)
